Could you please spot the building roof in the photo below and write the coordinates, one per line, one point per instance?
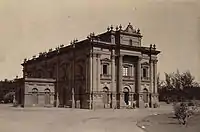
(100, 40)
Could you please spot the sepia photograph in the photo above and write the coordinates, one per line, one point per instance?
(100, 66)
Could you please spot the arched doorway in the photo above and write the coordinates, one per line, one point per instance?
(145, 95)
(47, 96)
(34, 96)
(126, 95)
(105, 96)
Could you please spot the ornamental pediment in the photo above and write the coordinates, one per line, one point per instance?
(131, 30)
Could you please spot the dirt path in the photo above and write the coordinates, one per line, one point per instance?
(68, 120)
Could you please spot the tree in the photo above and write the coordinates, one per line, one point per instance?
(177, 85)
(187, 80)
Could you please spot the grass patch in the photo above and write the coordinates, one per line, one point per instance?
(168, 123)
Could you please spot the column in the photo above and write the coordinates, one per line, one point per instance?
(155, 77)
(120, 72)
(98, 73)
(151, 83)
(73, 98)
(112, 71)
(119, 79)
(140, 102)
(139, 75)
(91, 81)
(94, 63)
(113, 76)
(151, 76)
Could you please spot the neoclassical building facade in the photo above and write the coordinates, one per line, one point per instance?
(108, 70)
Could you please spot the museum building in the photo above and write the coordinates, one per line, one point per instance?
(108, 70)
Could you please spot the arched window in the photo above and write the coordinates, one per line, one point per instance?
(47, 92)
(34, 96)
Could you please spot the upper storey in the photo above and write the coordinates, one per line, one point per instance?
(128, 36)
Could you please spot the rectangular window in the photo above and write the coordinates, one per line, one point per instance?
(144, 72)
(105, 69)
(125, 71)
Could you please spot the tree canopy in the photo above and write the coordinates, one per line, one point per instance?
(178, 85)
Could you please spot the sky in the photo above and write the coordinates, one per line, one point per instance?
(28, 27)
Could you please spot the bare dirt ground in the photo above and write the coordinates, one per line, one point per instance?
(73, 120)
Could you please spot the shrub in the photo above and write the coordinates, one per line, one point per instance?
(182, 112)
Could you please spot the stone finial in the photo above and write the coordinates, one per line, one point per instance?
(154, 46)
(117, 28)
(74, 41)
(62, 45)
(57, 49)
(93, 34)
(50, 50)
(108, 29)
(40, 54)
(111, 27)
(25, 60)
(88, 37)
(138, 31)
(150, 45)
(120, 27)
(45, 53)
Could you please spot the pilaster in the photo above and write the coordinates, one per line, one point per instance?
(120, 72)
(140, 102)
(91, 81)
(112, 76)
(112, 71)
(98, 73)
(155, 76)
(119, 79)
(138, 78)
(94, 63)
(151, 76)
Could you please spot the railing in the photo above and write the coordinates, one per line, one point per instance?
(128, 78)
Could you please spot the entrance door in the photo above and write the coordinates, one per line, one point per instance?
(126, 96)
(105, 96)
(145, 95)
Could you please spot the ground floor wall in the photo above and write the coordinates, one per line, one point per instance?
(41, 100)
(107, 100)
(127, 100)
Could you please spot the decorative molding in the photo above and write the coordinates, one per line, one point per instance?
(105, 60)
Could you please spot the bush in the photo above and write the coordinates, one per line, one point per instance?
(182, 112)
